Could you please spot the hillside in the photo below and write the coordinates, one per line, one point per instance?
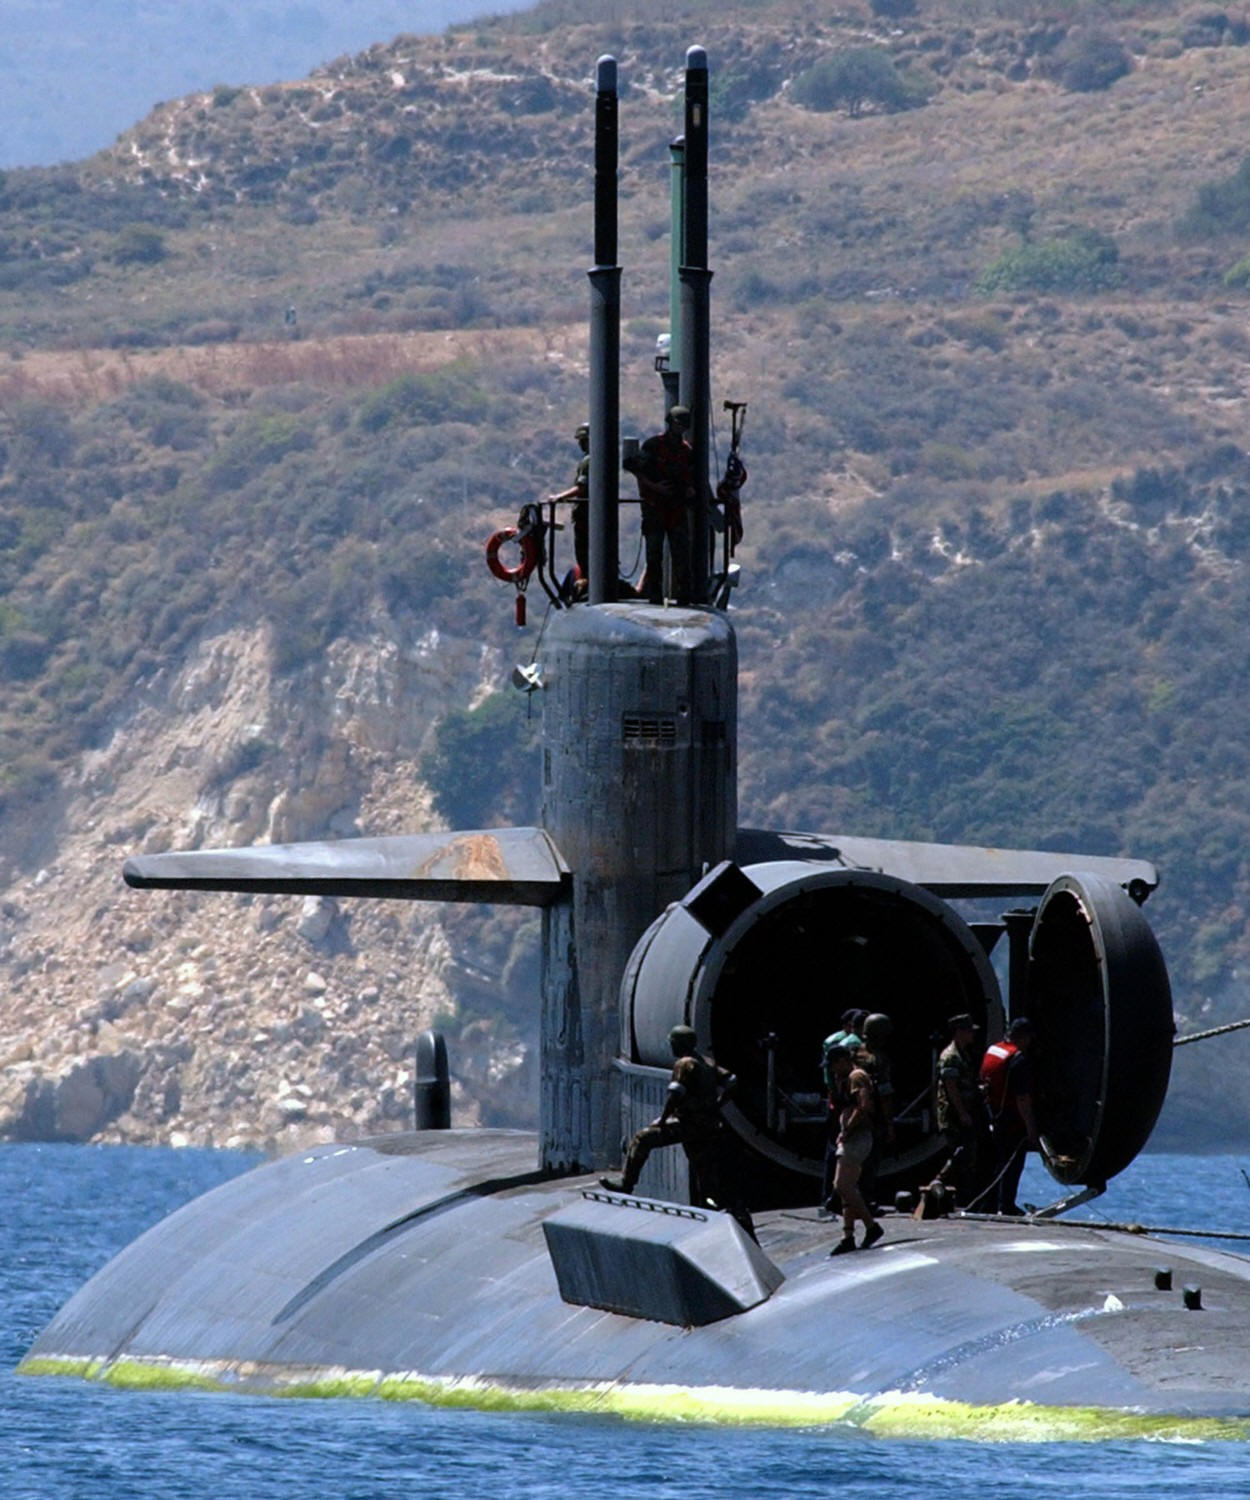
(275, 365)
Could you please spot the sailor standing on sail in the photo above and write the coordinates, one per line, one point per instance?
(579, 492)
(664, 469)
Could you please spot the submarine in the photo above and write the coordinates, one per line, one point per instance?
(491, 1268)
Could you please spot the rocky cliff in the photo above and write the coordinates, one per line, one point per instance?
(237, 1020)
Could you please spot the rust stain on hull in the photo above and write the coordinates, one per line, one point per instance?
(475, 856)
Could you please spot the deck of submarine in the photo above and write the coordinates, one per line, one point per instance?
(425, 1253)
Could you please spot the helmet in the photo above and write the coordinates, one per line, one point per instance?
(680, 415)
(878, 1030)
(682, 1040)
(582, 430)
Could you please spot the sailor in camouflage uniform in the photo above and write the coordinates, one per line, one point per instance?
(961, 1111)
(691, 1116)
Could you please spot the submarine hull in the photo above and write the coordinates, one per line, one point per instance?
(427, 1265)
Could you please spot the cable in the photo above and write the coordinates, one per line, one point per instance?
(1010, 1162)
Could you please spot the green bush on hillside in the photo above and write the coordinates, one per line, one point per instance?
(1209, 26)
(481, 767)
(449, 394)
(253, 446)
(1087, 61)
(167, 412)
(139, 244)
(25, 780)
(736, 87)
(853, 78)
(1083, 261)
(1220, 207)
(42, 435)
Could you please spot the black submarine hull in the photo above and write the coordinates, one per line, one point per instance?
(425, 1266)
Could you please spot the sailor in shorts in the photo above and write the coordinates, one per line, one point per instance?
(853, 1098)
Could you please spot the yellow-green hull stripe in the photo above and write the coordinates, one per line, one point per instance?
(890, 1414)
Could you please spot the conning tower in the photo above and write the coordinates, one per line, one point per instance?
(639, 702)
(639, 794)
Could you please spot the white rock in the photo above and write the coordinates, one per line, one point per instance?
(316, 918)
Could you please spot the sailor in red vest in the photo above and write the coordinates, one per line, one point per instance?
(1013, 1125)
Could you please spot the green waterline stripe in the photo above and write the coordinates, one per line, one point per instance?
(891, 1414)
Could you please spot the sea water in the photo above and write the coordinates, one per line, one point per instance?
(67, 1209)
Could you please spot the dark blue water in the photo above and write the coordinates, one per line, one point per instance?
(67, 1209)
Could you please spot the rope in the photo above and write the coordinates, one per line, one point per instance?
(1124, 1228)
(1010, 1162)
(1201, 1036)
(541, 631)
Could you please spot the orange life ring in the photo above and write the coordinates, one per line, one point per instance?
(529, 555)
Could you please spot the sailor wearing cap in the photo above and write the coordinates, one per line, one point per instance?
(691, 1116)
(664, 469)
(579, 492)
(961, 1110)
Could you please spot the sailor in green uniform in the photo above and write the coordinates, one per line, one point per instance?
(961, 1110)
(691, 1116)
(579, 492)
(873, 1056)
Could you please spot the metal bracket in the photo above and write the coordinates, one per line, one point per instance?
(648, 1205)
(1053, 1210)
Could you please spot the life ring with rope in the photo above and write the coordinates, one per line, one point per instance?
(528, 544)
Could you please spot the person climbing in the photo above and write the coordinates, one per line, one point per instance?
(691, 1116)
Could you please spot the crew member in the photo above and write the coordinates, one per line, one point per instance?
(579, 491)
(847, 1035)
(664, 469)
(1013, 1125)
(691, 1116)
(961, 1111)
(872, 1056)
(855, 1104)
